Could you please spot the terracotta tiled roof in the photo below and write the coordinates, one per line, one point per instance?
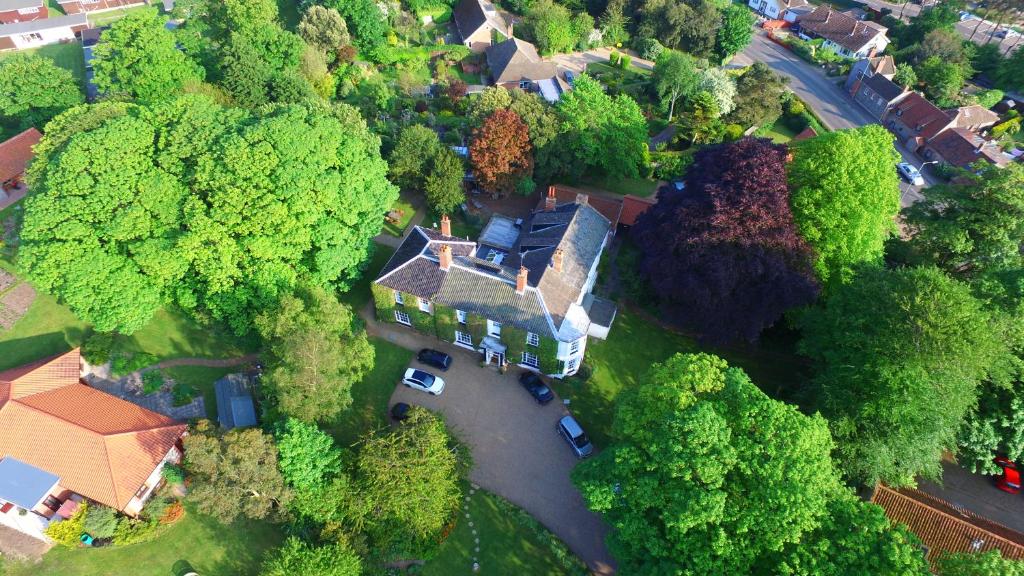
(840, 28)
(805, 134)
(974, 116)
(961, 147)
(918, 114)
(633, 207)
(607, 207)
(100, 446)
(16, 153)
(943, 527)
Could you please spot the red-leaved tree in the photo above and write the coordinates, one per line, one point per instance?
(501, 153)
(723, 254)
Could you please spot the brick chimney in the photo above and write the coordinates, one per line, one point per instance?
(556, 260)
(550, 202)
(521, 280)
(445, 256)
(446, 225)
(582, 199)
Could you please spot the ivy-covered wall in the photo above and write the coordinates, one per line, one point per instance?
(515, 341)
(384, 302)
(445, 322)
(547, 354)
(477, 326)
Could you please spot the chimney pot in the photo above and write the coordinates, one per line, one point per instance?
(556, 260)
(550, 202)
(445, 256)
(521, 280)
(446, 225)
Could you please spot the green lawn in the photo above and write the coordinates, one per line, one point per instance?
(104, 18)
(370, 396)
(440, 14)
(636, 186)
(628, 75)
(780, 132)
(462, 227)
(408, 211)
(211, 548)
(173, 334)
(67, 56)
(201, 379)
(508, 545)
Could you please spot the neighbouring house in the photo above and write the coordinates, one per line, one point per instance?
(777, 9)
(15, 154)
(93, 6)
(12, 11)
(61, 440)
(973, 117)
(961, 147)
(36, 33)
(805, 134)
(519, 294)
(884, 65)
(633, 207)
(515, 63)
(843, 33)
(480, 24)
(915, 120)
(945, 528)
(235, 406)
(878, 94)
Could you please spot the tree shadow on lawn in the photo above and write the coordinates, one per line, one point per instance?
(21, 351)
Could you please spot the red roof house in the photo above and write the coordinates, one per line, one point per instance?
(633, 207)
(15, 155)
(915, 120)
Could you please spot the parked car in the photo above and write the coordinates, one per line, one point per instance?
(965, 15)
(536, 387)
(424, 381)
(400, 411)
(910, 173)
(1009, 480)
(575, 436)
(435, 358)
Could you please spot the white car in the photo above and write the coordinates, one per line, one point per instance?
(424, 381)
(910, 173)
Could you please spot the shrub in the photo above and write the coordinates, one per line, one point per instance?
(795, 107)
(173, 474)
(670, 165)
(96, 350)
(182, 393)
(126, 363)
(649, 48)
(67, 532)
(613, 58)
(526, 186)
(101, 521)
(733, 132)
(624, 61)
(152, 381)
(989, 98)
(133, 531)
(1011, 126)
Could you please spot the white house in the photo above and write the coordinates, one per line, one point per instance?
(849, 37)
(777, 9)
(36, 33)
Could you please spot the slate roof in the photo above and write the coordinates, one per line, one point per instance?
(608, 207)
(7, 5)
(943, 527)
(840, 28)
(100, 446)
(514, 60)
(80, 19)
(235, 406)
(470, 15)
(16, 152)
(917, 113)
(961, 147)
(884, 87)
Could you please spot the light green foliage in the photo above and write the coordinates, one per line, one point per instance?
(736, 31)
(383, 302)
(235, 473)
(408, 482)
(323, 29)
(702, 123)
(702, 460)
(33, 90)
(845, 197)
(443, 187)
(989, 563)
(975, 227)
(296, 557)
(307, 456)
(138, 58)
(721, 85)
(67, 532)
(905, 75)
(899, 354)
(218, 210)
(316, 353)
(989, 98)
(551, 26)
(675, 76)
(547, 355)
(415, 151)
(614, 24)
(365, 21)
(604, 134)
(100, 521)
(943, 81)
(446, 322)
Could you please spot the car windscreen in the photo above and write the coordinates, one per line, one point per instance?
(426, 379)
(581, 440)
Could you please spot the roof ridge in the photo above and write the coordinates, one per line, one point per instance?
(50, 414)
(173, 424)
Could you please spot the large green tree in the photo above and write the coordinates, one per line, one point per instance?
(702, 461)
(900, 354)
(416, 149)
(443, 187)
(551, 27)
(845, 197)
(758, 98)
(316, 353)
(675, 76)
(33, 90)
(736, 31)
(990, 563)
(942, 80)
(138, 58)
(221, 211)
(307, 456)
(324, 29)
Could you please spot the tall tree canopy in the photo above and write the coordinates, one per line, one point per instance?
(307, 456)
(33, 90)
(736, 31)
(723, 255)
(218, 210)
(323, 28)
(989, 563)
(675, 76)
(316, 353)
(899, 354)
(139, 58)
(443, 187)
(501, 153)
(367, 23)
(541, 120)
(409, 161)
(758, 97)
(845, 197)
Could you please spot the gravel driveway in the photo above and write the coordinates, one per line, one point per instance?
(517, 452)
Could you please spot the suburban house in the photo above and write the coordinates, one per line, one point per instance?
(843, 33)
(519, 294)
(15, 154)
(62, 440)
(915, 120)
(12, 11)
(962, 147)
(93, 6)
(36, 33)
(878, 94)
(945, 528)
(777, 9)
(865, 67)
(515, 63)
(974, 117)
(478, 22)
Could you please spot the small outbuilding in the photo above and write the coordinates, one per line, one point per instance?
(235, 405)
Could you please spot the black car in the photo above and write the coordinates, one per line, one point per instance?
(536, 387)
(434, 358)
(400, 411)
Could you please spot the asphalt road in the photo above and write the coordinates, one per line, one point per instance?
(825, 96)
(977, 493)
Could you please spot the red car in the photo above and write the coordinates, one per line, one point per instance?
(1009, 480)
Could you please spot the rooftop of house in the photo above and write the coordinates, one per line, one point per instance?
(884, 87)
(920, 115)
(633, 207)
(557, 245)
(973, 115)
(470, 15)
(843, 29)
(100, 446)
(515, 60)
(8, 5)
(884, 65)
(30, 26)
(962, 147)
(235, 407)
(943, 527)
(16, 152)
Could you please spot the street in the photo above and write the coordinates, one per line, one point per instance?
(825, 96)
(978, 494)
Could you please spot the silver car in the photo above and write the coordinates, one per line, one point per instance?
(570, 429)
(910, 173)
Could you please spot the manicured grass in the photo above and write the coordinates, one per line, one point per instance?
(359, 294)
(408, 211)
(173, 334)
(211, 548)
(370, 396)
(67, 56)
(636, 186)
(507, 546)
(201, 379)
(104, 18)
(440, 14)
(627, 75)
(462, 227)
(47, 328)
(780, 132)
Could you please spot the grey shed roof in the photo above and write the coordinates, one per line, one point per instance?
(514, 60)
(44, 24)
(470, 15)
(235, 407)
(23, 484)
(6, 5)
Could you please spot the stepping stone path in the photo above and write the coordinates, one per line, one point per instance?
(476, 538)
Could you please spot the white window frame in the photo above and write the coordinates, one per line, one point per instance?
(399, 315)
(532, 339)
(398, 298)
(493, 328)
(530, 360)
(460, 315)
(572, 365)
(464, 338)
(424, 305)
(29, 10)
(574, 347)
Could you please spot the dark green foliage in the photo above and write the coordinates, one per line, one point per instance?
(515, 342)
(182, 393)
(365, 21)
(446, 321)
(477, 326)
(173, 474)
(547, 354)
(125, 363)
(758, 100)
(413, 155)
(97, 348)
(135, 531)
(152, 381)
(101, 521)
